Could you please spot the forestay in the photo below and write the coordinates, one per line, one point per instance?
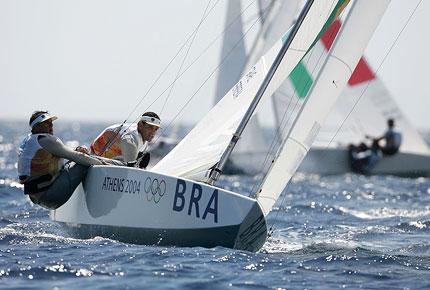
(343, 58)
(202, 148)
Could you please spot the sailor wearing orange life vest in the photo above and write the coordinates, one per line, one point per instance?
(40, 162)
(126, 141)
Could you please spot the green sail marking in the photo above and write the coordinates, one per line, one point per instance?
(300, 76)
(301, 79)
(285, 36)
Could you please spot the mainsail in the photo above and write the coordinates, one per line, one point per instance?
(347, 49)
(203, 147)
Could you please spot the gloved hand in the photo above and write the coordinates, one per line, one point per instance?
(144, 159)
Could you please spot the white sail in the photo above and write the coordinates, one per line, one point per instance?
(203, 146)
(233, 51)
(343, 58)
(276, 17)
(369, 115)
(252, 143)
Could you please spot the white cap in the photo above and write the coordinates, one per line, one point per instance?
(151, 121)
(42, 118)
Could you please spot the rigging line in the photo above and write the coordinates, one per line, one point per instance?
(168, 65)
(283, 125)
(210, 75)
(258, 15)
(185, 57)
(378, 68)
(206, 49)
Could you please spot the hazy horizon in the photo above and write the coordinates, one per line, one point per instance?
(95, 60)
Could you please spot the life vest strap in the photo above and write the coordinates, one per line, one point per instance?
(38, 184)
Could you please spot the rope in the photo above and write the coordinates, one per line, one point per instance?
(185, 57)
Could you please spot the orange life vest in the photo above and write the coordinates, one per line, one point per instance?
(108, 143)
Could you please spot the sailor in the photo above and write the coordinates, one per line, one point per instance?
(128, 142)
(40, 163)
(392, 140)
(363, 159)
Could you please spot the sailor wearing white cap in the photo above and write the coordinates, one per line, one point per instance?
(128, 142)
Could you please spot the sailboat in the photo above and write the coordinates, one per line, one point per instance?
(363, 108)
(176, 202)
(368, 117)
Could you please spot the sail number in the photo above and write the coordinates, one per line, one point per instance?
(238, 88)
(195, 194)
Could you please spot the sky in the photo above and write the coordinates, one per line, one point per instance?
(98, 60)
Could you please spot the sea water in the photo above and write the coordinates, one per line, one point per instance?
(336, 232)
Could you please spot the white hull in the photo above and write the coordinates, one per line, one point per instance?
(142, 207)
(328, 161)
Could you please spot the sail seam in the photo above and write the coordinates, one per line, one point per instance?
(299, 143)
(341, 61)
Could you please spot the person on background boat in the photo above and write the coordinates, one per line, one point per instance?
(392, 140)
(362, 159)
(40, 163)
(128, 142)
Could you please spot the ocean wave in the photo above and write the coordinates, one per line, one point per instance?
(414, 226)
(40, 233)
(380, 213)
(297, 246)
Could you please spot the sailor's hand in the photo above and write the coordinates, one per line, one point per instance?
(82, 149)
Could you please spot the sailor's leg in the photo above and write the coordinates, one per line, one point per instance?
(63, 187)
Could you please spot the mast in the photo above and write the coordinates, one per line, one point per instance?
(215, 173)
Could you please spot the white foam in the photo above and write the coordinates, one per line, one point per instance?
(385, 212)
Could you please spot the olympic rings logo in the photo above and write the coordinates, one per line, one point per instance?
(154, 188)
